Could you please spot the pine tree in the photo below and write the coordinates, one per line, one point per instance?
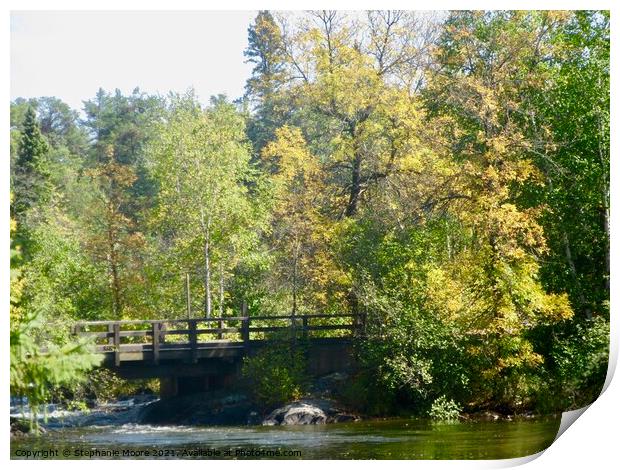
(30, 173)
(266, 51)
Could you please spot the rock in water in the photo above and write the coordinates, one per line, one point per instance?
(296, 413)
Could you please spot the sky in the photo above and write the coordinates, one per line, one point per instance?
(71, 55)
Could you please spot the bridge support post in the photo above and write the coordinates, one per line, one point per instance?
(245, 332)
(111, 337)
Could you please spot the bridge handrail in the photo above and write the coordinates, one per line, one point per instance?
(157, 330)
(214, 319)
(157, 320)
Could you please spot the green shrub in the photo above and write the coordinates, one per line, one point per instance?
(580, 358)
(103, 385)
(277, 373)
(444, 409)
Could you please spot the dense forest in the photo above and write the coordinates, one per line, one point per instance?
(445, 174)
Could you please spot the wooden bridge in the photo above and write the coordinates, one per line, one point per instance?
(213, 348)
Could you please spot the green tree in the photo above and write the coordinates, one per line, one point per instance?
(34, 372)
(266, 51)
(201, 161)
(571, 114)
(30, 174)
(126, 123)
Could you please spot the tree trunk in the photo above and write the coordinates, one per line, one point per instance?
(207, 277)
(115, 281)
(573, 271)
(607, 247)
(295, 261)
(353, 301)
(116, 288)
(448, 241)
(221, 303)
(603, 154)
(356, 186)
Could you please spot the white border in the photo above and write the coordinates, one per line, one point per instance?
(591, 443)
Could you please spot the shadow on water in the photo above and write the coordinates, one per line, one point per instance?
(385, 439)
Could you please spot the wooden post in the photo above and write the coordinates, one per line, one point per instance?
(245, 325)
(117, 343)
(156, 330)
(110, 330)
(188, 300)
(245, 332)
(304, 328)
(193, 340)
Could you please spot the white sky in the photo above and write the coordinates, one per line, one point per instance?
(71, 54)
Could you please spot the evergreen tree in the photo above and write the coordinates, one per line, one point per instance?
(266, 51)
(30, 173)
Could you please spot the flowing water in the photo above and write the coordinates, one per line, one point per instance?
(74, 436)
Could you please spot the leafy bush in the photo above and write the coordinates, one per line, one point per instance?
(104, 385)
(34, 374)
(580, 360)
(444, 409)
(277, 373)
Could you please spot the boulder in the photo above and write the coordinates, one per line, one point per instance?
(296, 413)
(308, 411)
(21, 427)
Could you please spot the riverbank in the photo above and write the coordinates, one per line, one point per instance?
(217, 408)
(208, 409)
(229, 424)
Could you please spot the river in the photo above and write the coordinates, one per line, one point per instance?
(73, 438)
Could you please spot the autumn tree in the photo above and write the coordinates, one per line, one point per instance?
(497, 279)
(114, 240)
(446, 176)
(301, 230)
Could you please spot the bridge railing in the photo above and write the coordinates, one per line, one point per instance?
(196, 334)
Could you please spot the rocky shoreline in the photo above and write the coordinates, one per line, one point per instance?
(237, 409)
(222, 408)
